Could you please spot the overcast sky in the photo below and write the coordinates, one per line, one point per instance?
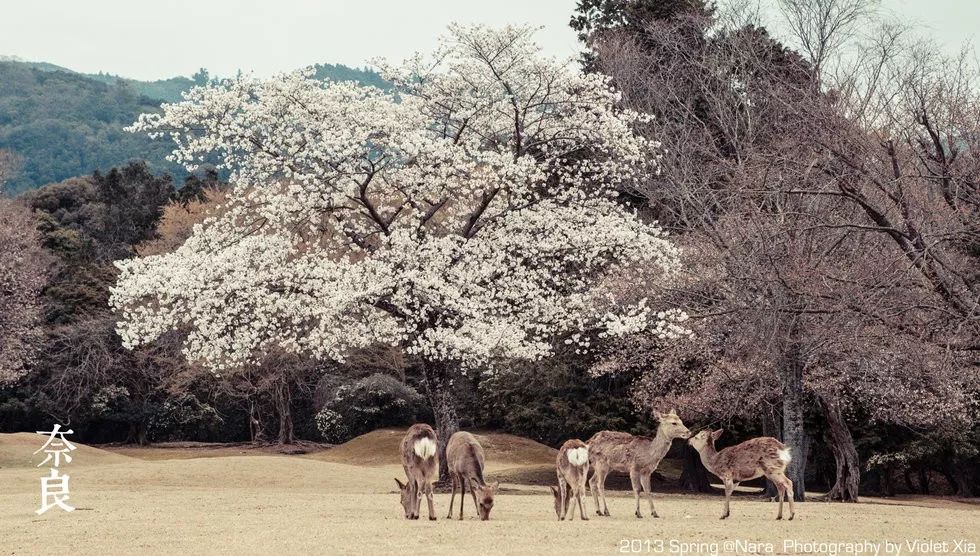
(147, 40)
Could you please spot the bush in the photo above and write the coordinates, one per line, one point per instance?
(372, 402)
(331, 426)
(185, 417)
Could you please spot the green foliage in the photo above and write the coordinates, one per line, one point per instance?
(331, 426)
(339, 72)
(68, 124)
(557, 400)
(161, 90)
(375, 401)
(592, 18)
(89, 222)
(65, 124)
(185, 416)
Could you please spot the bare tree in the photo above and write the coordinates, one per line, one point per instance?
(822, 27)
(830, 235)
(24, 269)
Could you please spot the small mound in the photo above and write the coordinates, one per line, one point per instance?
(17, 451)
(381, 447)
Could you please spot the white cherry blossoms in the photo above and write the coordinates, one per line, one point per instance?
(469, 216)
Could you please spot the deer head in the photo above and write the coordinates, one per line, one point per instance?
(409, 498)
(704, 439)
(671, 425)
(484, 499)
(568, 500)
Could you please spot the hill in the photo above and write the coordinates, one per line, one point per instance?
(381, 447)
(17, 451)
(63, 123)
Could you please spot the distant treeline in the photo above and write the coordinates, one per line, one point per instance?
(62, 124)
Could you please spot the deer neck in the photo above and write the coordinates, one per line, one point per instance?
(708, 455)
(659, 447)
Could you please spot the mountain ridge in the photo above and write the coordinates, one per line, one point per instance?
(63, 123)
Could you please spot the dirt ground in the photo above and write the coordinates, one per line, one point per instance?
(206, 499)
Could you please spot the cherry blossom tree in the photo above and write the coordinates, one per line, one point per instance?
(468, 218)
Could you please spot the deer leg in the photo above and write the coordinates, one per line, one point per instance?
(476, 504)
(581, 503)
(428, 498)
(776, 478)
(645, 482)
(602, 491)
(788, 487)
(418, 499)
(782, 494)
(729, 488)
(635, 479)
(601, 480)
(453, 479)
(563, 492)
(463, 481)
(594, 487)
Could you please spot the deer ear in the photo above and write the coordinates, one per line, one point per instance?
(658, 415)
(400, 485)
(672, 412)
(554, 490)
(717, 434)
(496, 486)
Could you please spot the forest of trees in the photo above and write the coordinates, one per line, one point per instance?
(62, 124)
(825, 208)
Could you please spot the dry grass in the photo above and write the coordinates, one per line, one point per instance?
(259, 502)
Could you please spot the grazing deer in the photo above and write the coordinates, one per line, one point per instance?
(465, 459)
(637, 455)
(748, 460)
(573, 470)
(418, 450)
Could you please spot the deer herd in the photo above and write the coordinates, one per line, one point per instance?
(605, 452)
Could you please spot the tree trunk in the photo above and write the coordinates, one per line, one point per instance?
(694, 476)
(908, 481)
(255, 428)
(283, 401)
(888, 481)
(794, 431)
(924, 480)
(439, 390)
(959, 480)
(137, 434)
(841, 443)
(771, 426)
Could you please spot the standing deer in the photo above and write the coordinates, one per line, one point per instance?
(465, 458)
(637, 455)
(418, 451)
(748, 460)
(573, 470)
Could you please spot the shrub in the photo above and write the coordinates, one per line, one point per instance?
(372, 402)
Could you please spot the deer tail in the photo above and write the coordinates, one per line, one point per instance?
(578, 456)
(424, 448)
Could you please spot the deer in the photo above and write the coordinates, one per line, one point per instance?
(572, 470)
(465, 459)
(749, 460)
(418, 454)
(637, 455)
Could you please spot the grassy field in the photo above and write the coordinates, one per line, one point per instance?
(197, 499)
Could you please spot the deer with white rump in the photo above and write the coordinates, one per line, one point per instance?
(573, 471)
(748, 460)
(464, 456)
(637, 455)
(418, 452)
